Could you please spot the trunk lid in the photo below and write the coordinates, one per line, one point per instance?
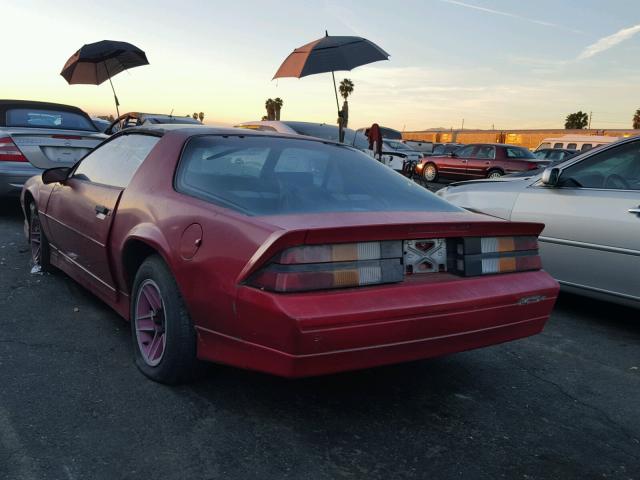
(45, 148)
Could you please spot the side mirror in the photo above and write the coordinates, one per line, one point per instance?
(55, 175)
(550, 176)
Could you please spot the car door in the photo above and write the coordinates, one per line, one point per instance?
(480, 161)
(591, 237)
(455, 165)
(81, 210)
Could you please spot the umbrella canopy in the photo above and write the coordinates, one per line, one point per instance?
(97, 62)
(329, 54)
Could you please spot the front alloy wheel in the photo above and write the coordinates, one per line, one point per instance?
(430, 172)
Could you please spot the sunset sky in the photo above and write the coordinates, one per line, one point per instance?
(512, 64)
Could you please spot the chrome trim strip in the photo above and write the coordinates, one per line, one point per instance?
(592, 246)
(599, 290)
(75, 231)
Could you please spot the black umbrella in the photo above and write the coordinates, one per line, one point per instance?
(328, 54)
(96, 62)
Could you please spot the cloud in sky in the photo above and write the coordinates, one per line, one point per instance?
(605, 43)
(507, 14)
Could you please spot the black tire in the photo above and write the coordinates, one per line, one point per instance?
(430, 172)
(494, 173)
(38, 242)
(178, 361)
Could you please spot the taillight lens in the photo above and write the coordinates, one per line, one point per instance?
(321, 267)
(9, 152)
(488, 255)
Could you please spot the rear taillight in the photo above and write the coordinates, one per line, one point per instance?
(487, 255)
(321, 267)
(9, 152)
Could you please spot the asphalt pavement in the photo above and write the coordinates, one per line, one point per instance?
(564, 404)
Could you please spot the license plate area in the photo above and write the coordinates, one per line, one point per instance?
(68, 155)
(427, 255)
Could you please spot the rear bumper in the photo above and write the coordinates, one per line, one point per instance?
(13, 175)
(307, 335)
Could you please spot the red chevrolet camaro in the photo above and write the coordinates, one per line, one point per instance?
(288, 255)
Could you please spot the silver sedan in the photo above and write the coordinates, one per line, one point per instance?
(590, 205)
(36, 135)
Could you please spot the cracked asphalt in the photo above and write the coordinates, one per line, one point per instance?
(561, 405)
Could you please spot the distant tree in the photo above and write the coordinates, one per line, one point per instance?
(636, 119)
(577, 120)
(271, 109)
(277, 105)
(195, 116)
(201, 116)
(346, 89)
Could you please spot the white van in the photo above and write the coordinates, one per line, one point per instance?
(577, 142)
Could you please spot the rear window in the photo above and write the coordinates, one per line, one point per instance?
(57, 119)
(516, 152)
(271, 176)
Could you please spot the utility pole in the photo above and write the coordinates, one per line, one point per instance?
(590, 117)
(462, 124)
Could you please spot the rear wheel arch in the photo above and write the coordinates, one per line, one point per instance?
(495, 170)
(134, 253)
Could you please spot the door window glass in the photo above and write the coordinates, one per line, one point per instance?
(615, 169)
(486, 152)
(465, 152)
(114, 163)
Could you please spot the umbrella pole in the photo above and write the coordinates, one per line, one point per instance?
(115, 97)
(335, 90)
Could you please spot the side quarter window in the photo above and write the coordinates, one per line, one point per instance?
(614, 169)
(114, 163)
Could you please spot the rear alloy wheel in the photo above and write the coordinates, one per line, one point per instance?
(430, 172)
(494, 174)
(40, 250)
(164, 339)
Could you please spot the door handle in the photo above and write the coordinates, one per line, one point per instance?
(634, 210)
(102, 210)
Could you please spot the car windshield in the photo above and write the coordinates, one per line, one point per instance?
(57, 119)
(271, 176)
(398, 146)
(168, 119)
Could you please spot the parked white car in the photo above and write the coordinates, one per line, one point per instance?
(577, 142)
(590, 205)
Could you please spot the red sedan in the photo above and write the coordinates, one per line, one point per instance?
(288, 255)
(482, 160)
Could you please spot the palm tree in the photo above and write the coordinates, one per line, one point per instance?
(270, 106)
(195, 116)
(201, 116)
(636, 119)
(346, 88)
(277, 103)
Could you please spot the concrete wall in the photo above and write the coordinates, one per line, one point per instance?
(525, 138)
